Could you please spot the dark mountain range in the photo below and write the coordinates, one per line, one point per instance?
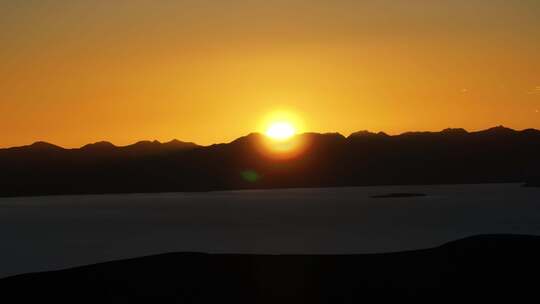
(364, 158)
(481, 269)
(140, 148)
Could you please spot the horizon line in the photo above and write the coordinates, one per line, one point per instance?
(174, 140)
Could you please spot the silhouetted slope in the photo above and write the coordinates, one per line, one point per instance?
(482, 268)
(450, 156)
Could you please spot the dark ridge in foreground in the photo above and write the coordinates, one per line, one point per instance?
(452, 156)
(484, 268)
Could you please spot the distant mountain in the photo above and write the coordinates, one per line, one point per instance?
(483, 269)
(368, 134)
(39, 146)
(364, 158)
(141, 148)
(99, 149)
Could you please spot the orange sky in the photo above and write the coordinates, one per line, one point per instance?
(73, 72)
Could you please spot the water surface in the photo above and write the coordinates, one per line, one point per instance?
(44, 233)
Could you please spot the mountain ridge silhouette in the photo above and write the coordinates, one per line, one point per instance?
(481, 267)
(363, 158)
(453, 131)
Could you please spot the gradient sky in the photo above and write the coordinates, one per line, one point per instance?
(73, 72)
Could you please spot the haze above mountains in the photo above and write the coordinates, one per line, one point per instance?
(451, 156)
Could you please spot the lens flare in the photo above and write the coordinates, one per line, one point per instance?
(250, 175)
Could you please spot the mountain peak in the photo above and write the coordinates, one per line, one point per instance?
(100, 145)
(456, 131)
(178, 143)
(502, 128)
(498, 130)
(367, 134)
(145, 143)
(42, 145)
(363, 133)
(531, 131)
(254, 136)
(324, 135)
(147, 147)
(148, 142)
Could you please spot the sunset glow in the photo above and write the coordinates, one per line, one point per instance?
(74, 72)
(280, 131)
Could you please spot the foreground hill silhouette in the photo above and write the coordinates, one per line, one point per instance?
(482, 268)
(451, 156)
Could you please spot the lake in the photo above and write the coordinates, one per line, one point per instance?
(53, 232)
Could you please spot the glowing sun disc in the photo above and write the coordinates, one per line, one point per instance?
(280, 130)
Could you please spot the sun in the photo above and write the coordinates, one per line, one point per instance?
(281, 130)
(281, 141)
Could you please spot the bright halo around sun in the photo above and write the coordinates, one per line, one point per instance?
(282, 138)
(280, 130)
